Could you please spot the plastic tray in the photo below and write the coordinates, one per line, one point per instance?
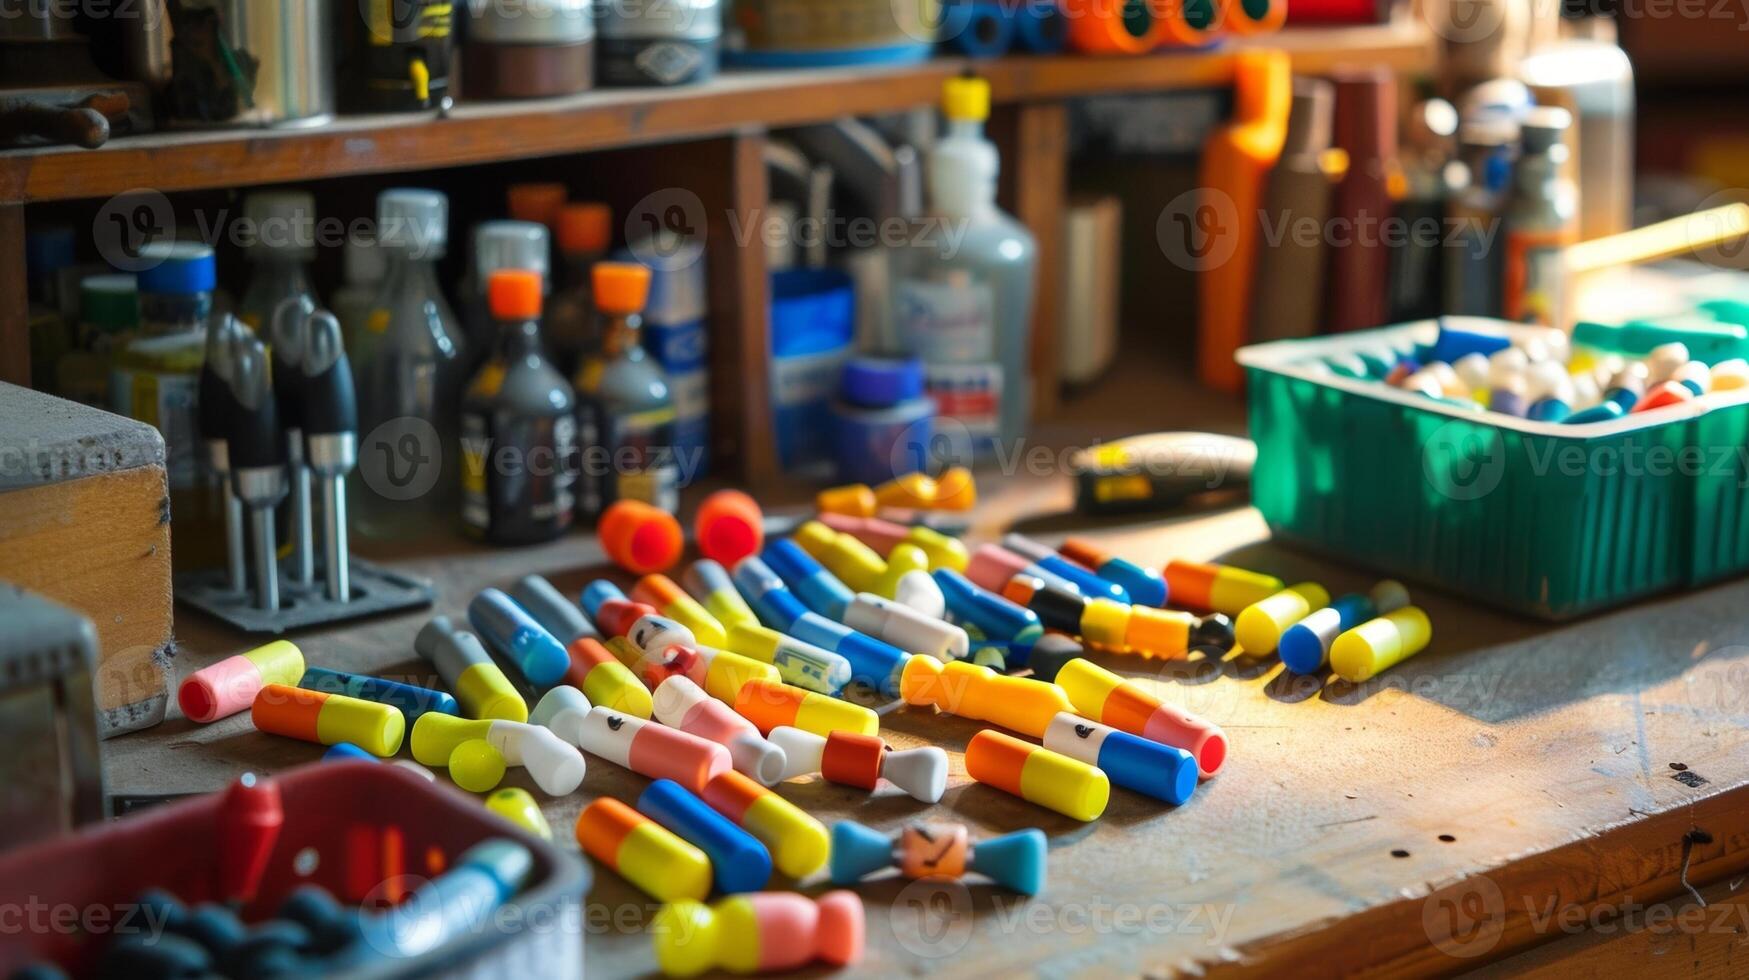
(1550, 520)
(102, 870)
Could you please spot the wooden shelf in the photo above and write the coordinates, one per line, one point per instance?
(482, 133)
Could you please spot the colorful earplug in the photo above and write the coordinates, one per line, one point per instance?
(1218, 588)
(1130, 761)
(1146, 586)
(1038, 775)
(1305, 647)
(479, 685)
(1126, 706)
(979, 693)
(797, 841)
(760, 933)
(939, 850)
(328, 719)
(739, 863)
(514, 634)
(643, 852)
(863, 761)
(681, 703)
(1261, 624)
(555, 765)
(230, 685)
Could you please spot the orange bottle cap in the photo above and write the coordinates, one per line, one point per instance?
(514, 294)
(539, 203)
(620, 288)
(729, 527)
(585, 227)
(640, 538)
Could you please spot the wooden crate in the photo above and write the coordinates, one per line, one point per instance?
(85, 521)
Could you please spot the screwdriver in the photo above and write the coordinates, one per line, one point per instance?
(328, 412)
(286, 334)
(218, 409)
(257, 449)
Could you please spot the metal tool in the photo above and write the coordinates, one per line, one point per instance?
(258, 457)
(218, 410)
(49, 718)
(330, 419)
(286, 331)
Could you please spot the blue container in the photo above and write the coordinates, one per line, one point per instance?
(882, 424)
(813, 323)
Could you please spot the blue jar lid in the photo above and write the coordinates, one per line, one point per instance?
(878, 382)
(178, 269)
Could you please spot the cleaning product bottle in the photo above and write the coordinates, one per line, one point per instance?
(585, 231)
(156, 379)
(1287, 297)
(1236, 162)
(519, 427)
(409, 383)
(1417, 281)
(964, 287)
(1366, 129)
(1541, 221)
(625, 412)
(1476, 198)
(282, 240)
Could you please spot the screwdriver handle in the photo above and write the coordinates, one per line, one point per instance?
(256, 438)
(285, 332)
(329, 405)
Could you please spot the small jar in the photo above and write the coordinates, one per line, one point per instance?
(882, 424)
(672, 43)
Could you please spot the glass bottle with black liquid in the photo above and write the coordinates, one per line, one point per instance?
(519, 427)
(625, 412)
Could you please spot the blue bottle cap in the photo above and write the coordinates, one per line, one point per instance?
(177, 269)
(858, 851)
(881, 382)
(1014, 860)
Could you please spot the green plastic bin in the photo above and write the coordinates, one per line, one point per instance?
(1549, 520)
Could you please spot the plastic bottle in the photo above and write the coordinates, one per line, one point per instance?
(519, 427)
(409, 383)
(363, 266)
(1287, 298)
(1236, 162)
(585, 231)
(1541, 221)
(282, 226)
(625, 412)
(1366, 129)
(1590, 74)
(1417, 280)
(109, 314)
(1477, 190)
(964, 290)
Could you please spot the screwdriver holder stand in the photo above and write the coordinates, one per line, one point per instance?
(375, 590)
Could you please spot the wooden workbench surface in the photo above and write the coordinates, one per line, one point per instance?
(1477, 800)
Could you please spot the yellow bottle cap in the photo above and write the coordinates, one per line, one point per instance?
(966, 99)
(476, 766)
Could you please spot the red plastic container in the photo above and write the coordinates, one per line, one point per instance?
(367, 832)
